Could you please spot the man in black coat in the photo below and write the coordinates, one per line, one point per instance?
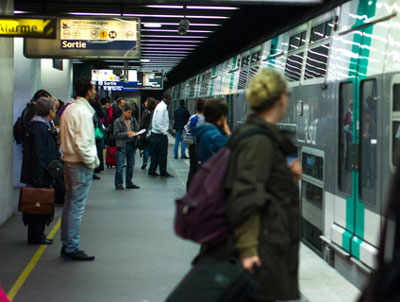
(181, 118)
(39, 150)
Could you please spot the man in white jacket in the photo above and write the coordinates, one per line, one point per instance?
(80, 158)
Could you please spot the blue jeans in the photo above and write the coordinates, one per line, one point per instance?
(129, 155)
(77, 183)
(179, 138)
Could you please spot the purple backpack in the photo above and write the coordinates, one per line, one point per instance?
(200, 214)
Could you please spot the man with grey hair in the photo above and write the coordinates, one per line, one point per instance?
(39, 149)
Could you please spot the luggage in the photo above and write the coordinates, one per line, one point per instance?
(200, 214)
(212, 280)
(36, 200)
(111, 156)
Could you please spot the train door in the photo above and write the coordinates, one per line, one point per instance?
(240, 109)
(357, 209)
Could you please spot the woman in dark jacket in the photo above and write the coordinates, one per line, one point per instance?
(39, 149)
(263, 206)
(214, 133)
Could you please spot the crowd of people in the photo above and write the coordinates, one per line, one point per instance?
(263, 200)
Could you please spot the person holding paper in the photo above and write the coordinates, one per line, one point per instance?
(125, 128)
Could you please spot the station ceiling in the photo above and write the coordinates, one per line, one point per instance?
(218, 28)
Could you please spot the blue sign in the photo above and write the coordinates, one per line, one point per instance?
(98, 45)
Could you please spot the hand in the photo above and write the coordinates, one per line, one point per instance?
(295, 168)
(226, 127)
(250, 262)
(131, 133)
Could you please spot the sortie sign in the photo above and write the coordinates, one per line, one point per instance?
(28, 27)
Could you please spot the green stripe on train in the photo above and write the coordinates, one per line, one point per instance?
(355, 209)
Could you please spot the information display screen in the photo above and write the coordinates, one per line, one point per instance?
(135, 80)
(111, 38)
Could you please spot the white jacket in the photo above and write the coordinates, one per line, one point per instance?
(77, 134)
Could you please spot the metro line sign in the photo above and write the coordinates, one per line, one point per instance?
(28, 27)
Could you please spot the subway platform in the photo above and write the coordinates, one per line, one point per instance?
(138, 256)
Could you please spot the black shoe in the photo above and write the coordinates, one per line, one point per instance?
(153, 174)
(185, 157)
(132, 186)
(63, 251)
(176, 157)
(166, 174)
(119, 188)
(78, 256)
(96, 177)
(144, 166)
(41, 241)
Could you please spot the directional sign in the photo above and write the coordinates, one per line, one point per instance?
(89, 38)
(28, 27)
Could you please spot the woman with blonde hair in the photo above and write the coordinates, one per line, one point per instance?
(263, 206)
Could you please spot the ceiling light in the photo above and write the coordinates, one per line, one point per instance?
(170, 41)
(184, 37)
(144, 60)
(175, 16)
(152, 25)
(168, 48)
(174, 30)
(160, 51)
(166, 6)
(191, 24)
(16, 12)
(94, 14)
(212, 7)
(168, 45)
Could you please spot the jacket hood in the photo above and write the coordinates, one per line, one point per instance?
(200, 130)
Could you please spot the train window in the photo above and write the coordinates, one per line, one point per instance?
(345, 137)
(312, 213)
(245, 61)
(321, 31)
(297, 41)
(317, 62)
(293, 67)
(396, 97)
(255, 57)
(368, 141)
(312, 165)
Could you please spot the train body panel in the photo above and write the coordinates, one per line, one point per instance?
(343, 69)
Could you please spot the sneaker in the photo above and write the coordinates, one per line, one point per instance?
(185, 157)
(176, 157)
(166, 174)
(119, 188)
(78, 256)
(144, 166)
(132, 186)
(153, 174)
(96, 177)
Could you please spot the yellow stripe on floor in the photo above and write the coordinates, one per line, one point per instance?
(28, 269)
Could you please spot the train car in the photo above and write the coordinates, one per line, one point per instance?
(343, 69)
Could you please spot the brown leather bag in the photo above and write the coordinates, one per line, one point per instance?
(36, 200)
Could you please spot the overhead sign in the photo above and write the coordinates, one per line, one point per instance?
(90, 37)
(28, 27)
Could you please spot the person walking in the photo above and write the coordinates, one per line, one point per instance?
(80, 158)
(159, 138)
(124, 132)
(39, 150)
(181, 116)
(263, 205)
(150, 105)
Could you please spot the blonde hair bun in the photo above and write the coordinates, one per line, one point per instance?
(265, 88)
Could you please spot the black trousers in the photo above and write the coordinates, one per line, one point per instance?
(159, 153)
(36, 225)
(194, 164)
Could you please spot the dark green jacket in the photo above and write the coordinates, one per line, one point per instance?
(264, 211)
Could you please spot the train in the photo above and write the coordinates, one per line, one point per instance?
(343, 69)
